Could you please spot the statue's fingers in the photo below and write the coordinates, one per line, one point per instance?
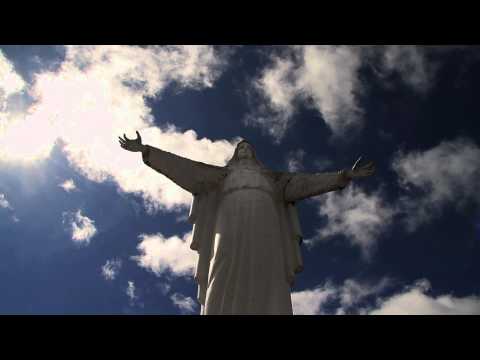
(370, 165)
(356, 163)
(125, 137)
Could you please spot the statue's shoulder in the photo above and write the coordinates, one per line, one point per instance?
(280, 175)
(278, 178)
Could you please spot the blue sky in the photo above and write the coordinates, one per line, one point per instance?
(87, 228)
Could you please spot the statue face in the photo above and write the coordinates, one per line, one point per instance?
(245, 151)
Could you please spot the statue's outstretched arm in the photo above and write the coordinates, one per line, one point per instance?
(302, 185)
(193, 176)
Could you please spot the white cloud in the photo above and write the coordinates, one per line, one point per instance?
(130, 291)
(295, 160)
(347, 296)
(4, 202)
(325, 78)
(111, 269)
(359, 216)
(10, 82)
(445, 174)
(329, 78)
(276, 87)
(411, 63)
(99, 93)
(431, 180)
(411, 300)
(415, 301)
(68, 185)
(82, 227)
(172, 255)
(310, 302)
(186, 304)
(415, 64)
(352, 292)
(164, 288)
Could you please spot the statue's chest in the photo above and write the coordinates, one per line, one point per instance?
(246, 178)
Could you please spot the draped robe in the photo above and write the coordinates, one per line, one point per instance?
(245, 229)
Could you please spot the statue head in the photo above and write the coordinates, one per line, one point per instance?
(244, 153)
(244, 150)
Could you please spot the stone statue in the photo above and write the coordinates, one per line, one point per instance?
(245, 225)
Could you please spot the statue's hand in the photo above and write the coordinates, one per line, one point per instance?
(361, 171)
(132, 145)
